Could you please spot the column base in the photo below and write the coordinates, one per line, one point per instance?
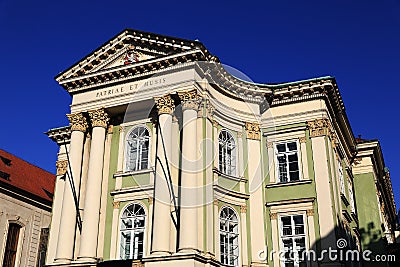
(62, 261)
(181, 260)
(87, 259)
(160, 253)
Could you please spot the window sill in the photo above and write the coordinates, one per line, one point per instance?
(288, 183)
(344, 199)
(230, 177)
(131, 173)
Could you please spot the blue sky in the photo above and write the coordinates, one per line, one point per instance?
(270, 41)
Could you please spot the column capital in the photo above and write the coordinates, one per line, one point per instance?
(99, 118)
(253, 130)
(78, 122)
(116, 204)
(322, 127)
(62, 166)
(165, 104)
(273, 215)
(310, 212)
(243, 209)
(318, 127)
(190, 99)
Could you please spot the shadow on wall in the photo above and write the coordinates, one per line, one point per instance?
(341, 248)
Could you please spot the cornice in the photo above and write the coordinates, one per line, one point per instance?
(60, 135)
(156, 43)
(128, 72)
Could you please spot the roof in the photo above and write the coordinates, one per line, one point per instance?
(25, 178)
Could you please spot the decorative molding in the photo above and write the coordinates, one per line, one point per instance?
(165, 104)
(302, 139)
(121, 129)
(116, 204)
(322, 127)
(270, 144)
(310, 212)
(190, 99)
(215, 123)
(99, 118)
(273, 215)
(253, 130)
(62, 166)
(243, 209)
(239, 134)
(78, 122)
(150, 200)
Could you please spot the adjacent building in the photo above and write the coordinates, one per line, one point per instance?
(26, 194)
(175, 162)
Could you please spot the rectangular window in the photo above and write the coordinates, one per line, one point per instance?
(293, 240)
(10, 253)
(351, 197)
(341, 177)
(287, 156)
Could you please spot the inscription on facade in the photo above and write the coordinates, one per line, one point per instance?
(129, 88)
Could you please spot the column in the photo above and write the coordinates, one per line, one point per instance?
(257, 223)
(188, 240)
(66, 237)
(91, 212)
(114, 231)
(62, 166)
(209, 193)
(319, 130)
(243, 230)
(162, 197)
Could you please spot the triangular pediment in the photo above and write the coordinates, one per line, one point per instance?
(130, 47)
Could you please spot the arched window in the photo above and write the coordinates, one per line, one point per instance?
(133, 221)
(138, 149)
(227, 151)
(229, 237)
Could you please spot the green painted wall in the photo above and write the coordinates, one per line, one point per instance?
(368, 213)
(111, 187)
(136, 180)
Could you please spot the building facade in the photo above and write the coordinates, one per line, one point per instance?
(175, 162)
(26, 193)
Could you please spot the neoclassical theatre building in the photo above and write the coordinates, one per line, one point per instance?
(169, 160)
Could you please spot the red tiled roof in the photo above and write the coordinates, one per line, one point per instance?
(29, 178)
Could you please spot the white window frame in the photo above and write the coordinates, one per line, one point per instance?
(138, 167)
(351, 196)
(233, 254)
(293, 236)
(341, 177)
(230, 169)
(278, 176)
(133, 230)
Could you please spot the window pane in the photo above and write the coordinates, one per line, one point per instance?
(226, 154)
(132, 232)
(229, 235)
(281, 148)
(294, 176)
(292, 146)
(282, 168)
